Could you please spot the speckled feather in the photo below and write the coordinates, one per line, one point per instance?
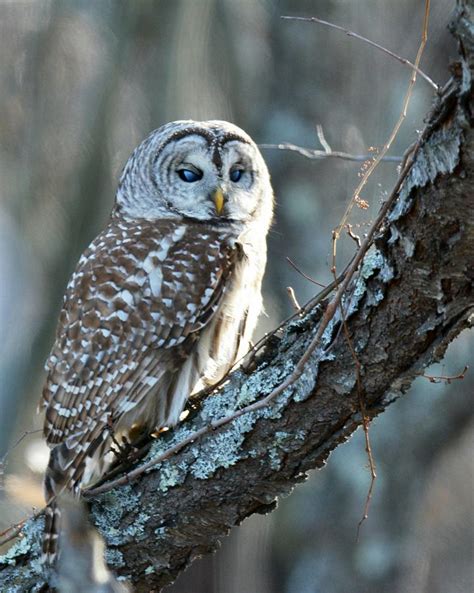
(127, 298)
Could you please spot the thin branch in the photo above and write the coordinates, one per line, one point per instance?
(365, 424)
(448, 379)
(293, 299)
(352, 235)
(295, 267)
(350, 33)
(14, 530)
(322, 139)
(315, 154)
(336, 232)
(3, 459)
(370, 169)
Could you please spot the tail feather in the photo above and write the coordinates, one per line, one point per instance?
(52, 526)
(66, 472)
(54, 483)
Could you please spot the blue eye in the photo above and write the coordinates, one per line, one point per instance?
(236, 174)
(189, 176)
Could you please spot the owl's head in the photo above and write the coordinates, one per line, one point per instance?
(209, 171)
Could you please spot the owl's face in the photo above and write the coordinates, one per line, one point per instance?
(205, 171)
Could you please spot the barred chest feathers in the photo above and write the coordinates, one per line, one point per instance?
(208, 353)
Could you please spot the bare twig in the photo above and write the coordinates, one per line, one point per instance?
(365, 424)
(448, 379)
(3, 459)
(19, 440)
(352, 235)
(322, 139)
(336, 232)
(294, 266)
(350, 33)
(11, 532)
(376, 160)
(293, 299)
(312, 153)
(14, 530)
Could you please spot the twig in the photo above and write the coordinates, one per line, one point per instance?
(322, 139)
(368, 172)
(335, 235)
(350, 33)
(312, 153)
(3, 459)
(294, 266)
(293, 299)
(365, 425)
(352, 235)
(14, 530)
(448, 379)
(19, 440)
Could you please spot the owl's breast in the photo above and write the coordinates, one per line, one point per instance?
(227, 338)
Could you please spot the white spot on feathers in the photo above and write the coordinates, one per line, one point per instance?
(156, 279)
(126, 296)
(122, 315)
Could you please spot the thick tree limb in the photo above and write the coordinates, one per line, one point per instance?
(414, 294)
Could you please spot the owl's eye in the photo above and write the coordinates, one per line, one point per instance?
(190, 175)
(236, 174)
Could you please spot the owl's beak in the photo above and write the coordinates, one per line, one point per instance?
(218, 199)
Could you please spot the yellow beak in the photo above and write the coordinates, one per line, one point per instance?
(218, 197)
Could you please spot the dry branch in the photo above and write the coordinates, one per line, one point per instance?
(315, 154)
(349, 33)
(413, 295)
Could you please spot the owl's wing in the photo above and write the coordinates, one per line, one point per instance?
(139, 296)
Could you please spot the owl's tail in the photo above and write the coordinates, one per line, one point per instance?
(65, 474)
(55, 481)
(52, 526)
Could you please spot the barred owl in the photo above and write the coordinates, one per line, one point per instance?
(162, 302)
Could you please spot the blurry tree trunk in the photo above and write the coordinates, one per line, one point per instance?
(413, 296)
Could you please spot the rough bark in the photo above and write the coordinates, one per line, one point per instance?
(413, 295)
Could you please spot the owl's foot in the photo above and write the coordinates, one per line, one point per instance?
(126, 449)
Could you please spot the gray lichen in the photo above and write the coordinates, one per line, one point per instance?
(374, 263)
(34, 571)
(438, 157)
(109, 512)
(114, 557)
(20, 548)
(171, 476)
(222, 450)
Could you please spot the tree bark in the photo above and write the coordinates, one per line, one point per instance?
(413, 295)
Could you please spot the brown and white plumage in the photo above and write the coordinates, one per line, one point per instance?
(163, 301)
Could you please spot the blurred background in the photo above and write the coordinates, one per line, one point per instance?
(81, 83)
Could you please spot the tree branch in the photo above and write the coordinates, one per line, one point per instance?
(413, 295)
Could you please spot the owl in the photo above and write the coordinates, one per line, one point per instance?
(162, 303)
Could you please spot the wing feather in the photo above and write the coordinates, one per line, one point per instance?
(128, 315)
